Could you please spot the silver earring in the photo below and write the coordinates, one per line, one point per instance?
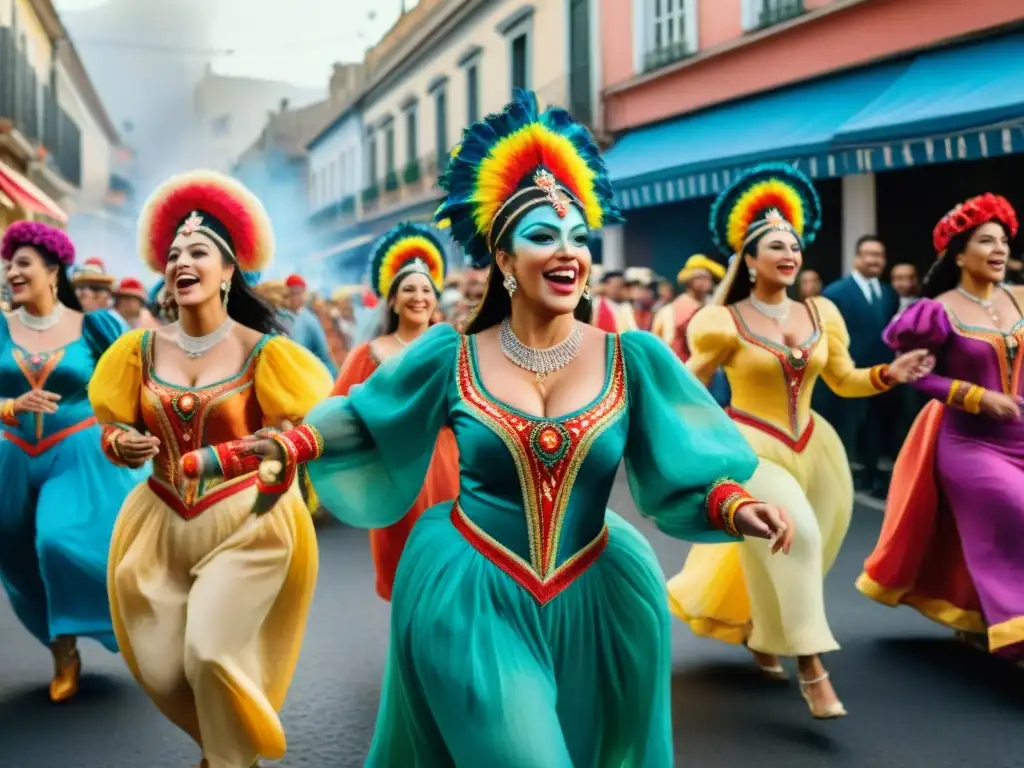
(753, 275)
(510, 283)
(225, 288)
(586, 292)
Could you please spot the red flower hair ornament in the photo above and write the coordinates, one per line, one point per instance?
(213, 205)
(973, 213)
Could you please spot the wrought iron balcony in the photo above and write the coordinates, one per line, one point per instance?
(777, 11)
(30, 109)
(662, 56)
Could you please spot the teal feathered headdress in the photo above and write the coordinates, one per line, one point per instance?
(514, 160)
(405, 248)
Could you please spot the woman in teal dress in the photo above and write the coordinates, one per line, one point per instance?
(60, 494)
(529, 623)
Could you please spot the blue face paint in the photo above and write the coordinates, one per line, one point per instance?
(543, 230)
(552, 257)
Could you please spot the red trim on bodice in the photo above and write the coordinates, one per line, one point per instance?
(547, 454)
(796, 445)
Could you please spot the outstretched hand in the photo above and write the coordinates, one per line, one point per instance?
(766, 521)
(911, 366)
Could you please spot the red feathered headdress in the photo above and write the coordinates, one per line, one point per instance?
(973, 213)
(187, 202)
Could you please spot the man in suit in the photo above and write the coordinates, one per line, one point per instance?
(867, 305)
(905, 402)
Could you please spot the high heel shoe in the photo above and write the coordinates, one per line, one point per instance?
(771, 671)
(827, 712)
(67, 666)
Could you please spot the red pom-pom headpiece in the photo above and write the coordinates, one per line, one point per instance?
(180, 204)
(295, 281)
(973, 213)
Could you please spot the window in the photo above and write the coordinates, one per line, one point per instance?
(441, 123)
(410, 136)
(371, 161)
(342, 177)
(758, 14)
(520, 62)
(389, 149)
(670, 32)
(581, 85)
(472, 94)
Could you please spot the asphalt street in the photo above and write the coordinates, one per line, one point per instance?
(915, 696)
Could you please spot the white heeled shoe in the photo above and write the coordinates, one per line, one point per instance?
(828, 712)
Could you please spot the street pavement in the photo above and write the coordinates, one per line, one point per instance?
(916, 697)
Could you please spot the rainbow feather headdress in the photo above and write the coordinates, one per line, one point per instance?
(210, 203)
(406, 248)
(515, 160)
(768, 197)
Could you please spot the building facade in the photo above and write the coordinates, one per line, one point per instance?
(56, 138)
(896, 108)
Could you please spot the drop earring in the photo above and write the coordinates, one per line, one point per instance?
(225, 288)
(511, 284)
(753, 275)
(586, 293)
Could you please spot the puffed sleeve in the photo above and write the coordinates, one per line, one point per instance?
(115, 389)
(102, 328)
(926, 325)
(289, 380)
(684, 457)
(378, 441)
(712, 338)
(840, 372)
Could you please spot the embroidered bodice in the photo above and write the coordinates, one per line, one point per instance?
(65, 371)
(533, 491)
(771, 383)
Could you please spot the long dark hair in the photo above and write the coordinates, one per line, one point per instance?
(65, 290)
(944, 274)
(740, 288)
(389, 318)
(496, 304)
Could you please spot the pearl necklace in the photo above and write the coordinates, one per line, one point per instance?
(988, 304)
(197, 346)
(40, 323)
(539, 361)
(777, 312)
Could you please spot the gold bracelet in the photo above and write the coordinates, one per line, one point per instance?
(732, 506)
(972, 400)
(7, 415)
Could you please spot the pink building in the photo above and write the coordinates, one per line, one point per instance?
(897, 108)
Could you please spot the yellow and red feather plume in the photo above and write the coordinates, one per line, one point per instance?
(399, 248)
(222, 197)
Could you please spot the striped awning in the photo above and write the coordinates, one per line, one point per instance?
(18, 192)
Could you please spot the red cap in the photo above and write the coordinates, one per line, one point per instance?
(295, 281)
(95, 261)
(130, 286)
(369, 299)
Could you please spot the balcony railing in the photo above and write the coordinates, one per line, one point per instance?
(663, 55)
(777, 11)
(33, 111)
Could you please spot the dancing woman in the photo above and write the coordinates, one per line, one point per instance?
(952, 545)
(773, 351)
(208, 603)
(528, 621)
(407, 266)
(53, 554)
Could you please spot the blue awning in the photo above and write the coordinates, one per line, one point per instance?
(960, 103)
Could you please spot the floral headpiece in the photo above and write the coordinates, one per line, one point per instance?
(53, 241)
(213, 204)
(973, 213)
(768, 197)
(515, 160)
(406, 248)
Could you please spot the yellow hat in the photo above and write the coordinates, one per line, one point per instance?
(699, 262)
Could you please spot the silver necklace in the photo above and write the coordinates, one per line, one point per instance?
(400, 340)
(988, 304)
(197, 346)
(40, 323)
(777, 312)
(539, 361)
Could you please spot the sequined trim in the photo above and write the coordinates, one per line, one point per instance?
(1005, 345)
(547, 454)
(792, 360)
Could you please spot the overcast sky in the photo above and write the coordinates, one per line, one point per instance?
(298, 46)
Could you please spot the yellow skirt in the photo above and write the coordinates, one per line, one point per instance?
(209, 614)
(740, 593)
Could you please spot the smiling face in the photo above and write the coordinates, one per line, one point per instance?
(778, 261)
(550, 259)
(415, 300)
(29, 276)
(984, 257)
(195, 270)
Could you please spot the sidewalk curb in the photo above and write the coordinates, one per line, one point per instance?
(866, 500)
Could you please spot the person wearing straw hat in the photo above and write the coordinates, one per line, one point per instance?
(697, 278)
(93, 285)
(773, 350)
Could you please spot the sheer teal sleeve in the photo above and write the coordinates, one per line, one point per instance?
(681, 443)
(378, 441)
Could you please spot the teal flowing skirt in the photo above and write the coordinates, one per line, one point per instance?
(480, 674)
